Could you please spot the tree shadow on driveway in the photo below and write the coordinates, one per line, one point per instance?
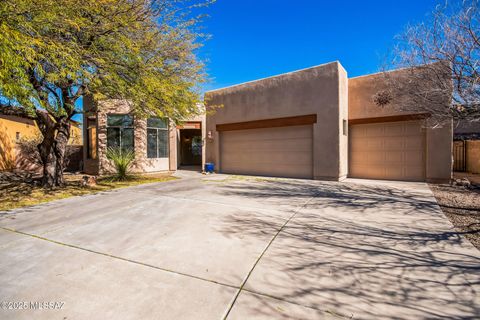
(361, 251)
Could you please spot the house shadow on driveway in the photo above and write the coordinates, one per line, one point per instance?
(357, 250)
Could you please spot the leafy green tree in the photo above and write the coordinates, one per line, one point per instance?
(52, 52)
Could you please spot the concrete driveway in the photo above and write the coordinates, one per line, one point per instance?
(221, 247)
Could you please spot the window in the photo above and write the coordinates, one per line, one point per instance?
(157, 138)
(345, 127)
(92, 137)
(197, 146)
(120, 131)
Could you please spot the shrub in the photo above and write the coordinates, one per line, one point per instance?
(122, 159)
(29, 150)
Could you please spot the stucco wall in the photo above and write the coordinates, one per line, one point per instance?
(439, 152)
(311, 91)
(11, 155)
(438, 139)
(27, 129)
(360, 98)
(343, 116)
(102, 165)
(9, 126)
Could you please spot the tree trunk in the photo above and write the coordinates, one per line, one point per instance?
(47, 127)
(60, 148)
(48, 160)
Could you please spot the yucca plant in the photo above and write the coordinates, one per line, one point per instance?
(122, 159)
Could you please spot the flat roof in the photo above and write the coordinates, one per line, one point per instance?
(274, 76)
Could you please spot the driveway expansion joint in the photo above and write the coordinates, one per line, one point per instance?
(151, 266)
(215, 202)
(330, 312)
(262, 254)
(118, 258)
(369, 214)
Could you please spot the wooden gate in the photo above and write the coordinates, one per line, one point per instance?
(459, 156)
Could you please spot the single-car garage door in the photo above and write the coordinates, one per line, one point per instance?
(392, 150)
(280, 152)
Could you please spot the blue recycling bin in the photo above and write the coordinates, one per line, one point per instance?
(209, 167)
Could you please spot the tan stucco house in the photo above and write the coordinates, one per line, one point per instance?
(317, 123)
(159, 144)
(314, 123)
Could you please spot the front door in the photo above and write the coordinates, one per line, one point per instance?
(191, 147)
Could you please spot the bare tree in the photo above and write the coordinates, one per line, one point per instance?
(440, 61)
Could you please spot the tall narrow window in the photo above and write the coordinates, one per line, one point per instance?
(157, 138)
(91, 137)
(120, 131)
(345, 127)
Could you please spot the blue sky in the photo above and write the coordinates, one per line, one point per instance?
(253, 39)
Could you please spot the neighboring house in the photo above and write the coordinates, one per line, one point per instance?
(318, 124)
(466, 147)
(13, 130)
(159, 145)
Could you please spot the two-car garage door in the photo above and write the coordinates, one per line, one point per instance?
(280, 151)
(389, 150)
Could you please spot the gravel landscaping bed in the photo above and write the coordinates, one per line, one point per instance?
(462, 207)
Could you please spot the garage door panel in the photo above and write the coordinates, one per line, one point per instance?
(356, 157)
(395, 172)
(356, 132)
(284, 151)
(374, 131)
(392, 143)
(375, 158)
(373, 143)
(413, 143)
(261, 169)
(393, 157)
(413, 128)
(268, 145)
(412, 172)
(394, 150)
(271, 158)
(241, 167)
(394, 130)
(254, 135)
(413, 159)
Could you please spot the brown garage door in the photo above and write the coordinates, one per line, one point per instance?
(279, 152)
(393, 151)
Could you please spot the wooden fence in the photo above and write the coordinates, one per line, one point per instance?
(466, 156)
